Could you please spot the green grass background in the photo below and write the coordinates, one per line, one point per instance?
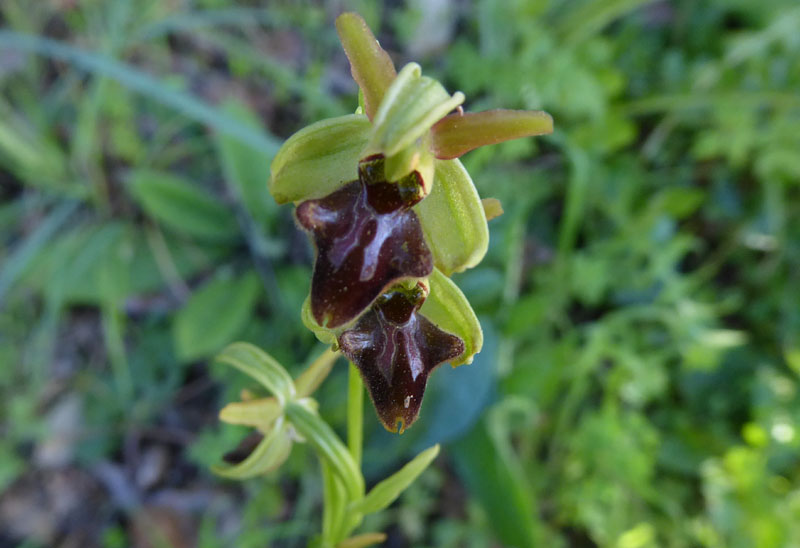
(640, 298)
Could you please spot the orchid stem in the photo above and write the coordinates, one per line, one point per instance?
(355, 414)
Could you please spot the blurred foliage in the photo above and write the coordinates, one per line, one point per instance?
(641, 296)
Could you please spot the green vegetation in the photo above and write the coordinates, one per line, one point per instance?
(640, 300)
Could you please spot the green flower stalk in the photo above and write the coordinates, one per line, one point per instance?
(393, 213)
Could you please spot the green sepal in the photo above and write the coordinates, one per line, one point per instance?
(410, 107)
(323, 334)
(262, 367)
(456, 135)
(370, 65)
(448, 308)
(319, 159)
(260, 413)
(387, 491)
(268, 455)
(453, 219)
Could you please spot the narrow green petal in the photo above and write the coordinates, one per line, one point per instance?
(370, 65)
(260, 413)
(412, 104)
(319, 159)
(456, 135)
(453, 219)
(270, 453)
(262, 367)
(448, 308)
(310, 379)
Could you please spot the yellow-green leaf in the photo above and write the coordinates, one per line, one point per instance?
(387, 491)
(317, 432)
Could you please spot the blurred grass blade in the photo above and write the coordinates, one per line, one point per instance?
(591, 17)
(22, 256)
(505, 498)
(182, 206)
(262, 367)
(387, 491)
(235, 17)
(327, 444)
(245, 168)
(140, 82)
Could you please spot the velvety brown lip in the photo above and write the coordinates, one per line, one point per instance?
(395, 349)
(367, 238)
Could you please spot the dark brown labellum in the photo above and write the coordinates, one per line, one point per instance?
(367, 239)
(395, 349)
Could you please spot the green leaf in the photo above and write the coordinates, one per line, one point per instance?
(319, 159)
(262, 367)
(245, 168)
(18, 260)
(142, 83)
(370, 65)
(214, 315)
(334, 502)
(179, 205)
(328, 446)
(503, 496)
(412, 104)
(453, 219)
(387, 491)
(448, 308)
(268, 455)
